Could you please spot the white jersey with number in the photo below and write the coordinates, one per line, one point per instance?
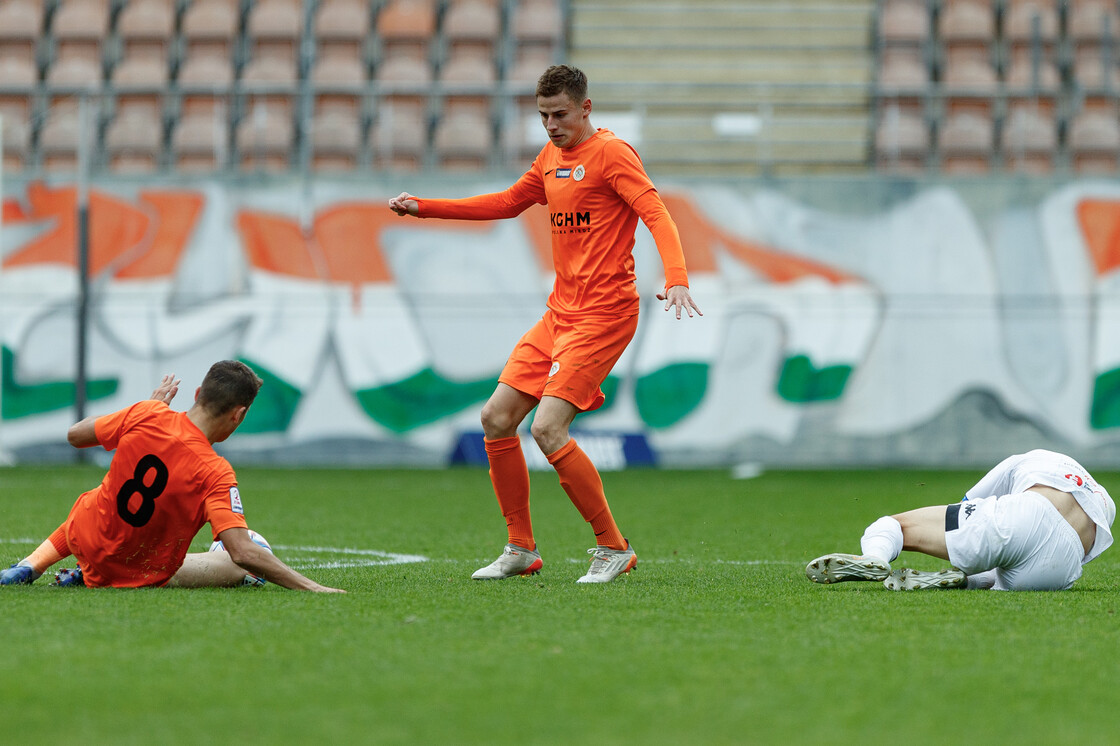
(1019, 473)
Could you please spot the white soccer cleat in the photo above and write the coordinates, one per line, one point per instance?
(836, 568)
(607, 564)
(514, 561)
(913, 580)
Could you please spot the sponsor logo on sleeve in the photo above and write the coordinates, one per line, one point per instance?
(235, 501)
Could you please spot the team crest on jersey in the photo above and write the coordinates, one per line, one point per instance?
(235, 501)
(564, 173)
(554, 369)
(579, 173)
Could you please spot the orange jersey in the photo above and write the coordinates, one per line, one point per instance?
(164, 484)
(595, 194)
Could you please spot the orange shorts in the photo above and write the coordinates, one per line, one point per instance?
(568, 358)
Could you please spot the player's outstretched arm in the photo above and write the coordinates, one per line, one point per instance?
(404, 204)
(248, 556)
(679, 297)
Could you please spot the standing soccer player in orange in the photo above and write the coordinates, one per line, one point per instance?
(164, 484)
(596, 189)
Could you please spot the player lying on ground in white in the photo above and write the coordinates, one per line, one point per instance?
(1028, 525)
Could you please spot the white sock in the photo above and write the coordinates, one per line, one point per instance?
(882, 540)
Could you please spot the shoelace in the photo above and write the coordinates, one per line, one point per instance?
(600, 556)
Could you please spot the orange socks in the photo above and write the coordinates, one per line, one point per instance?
(510, 477)
(580, 479)
(54, 549)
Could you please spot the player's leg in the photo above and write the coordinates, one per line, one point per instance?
(1039, 549)
(32, 567)
(509, 474)
(920, 530)
(207, 570)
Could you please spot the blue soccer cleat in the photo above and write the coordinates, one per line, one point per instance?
(67, 577)
(18, 575)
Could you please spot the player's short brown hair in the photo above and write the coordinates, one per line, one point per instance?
(563, 79)
(228, 384)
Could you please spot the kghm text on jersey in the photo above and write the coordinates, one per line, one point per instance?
(570, 219)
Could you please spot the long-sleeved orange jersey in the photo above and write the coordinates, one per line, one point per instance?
(595, 194)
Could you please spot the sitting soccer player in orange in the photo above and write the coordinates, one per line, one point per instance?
(164, 484)
(596, 189)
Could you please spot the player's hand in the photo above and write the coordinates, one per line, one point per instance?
(679, 297)
(168, 387)
(404, 204)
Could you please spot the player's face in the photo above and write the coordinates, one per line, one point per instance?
(568, 124)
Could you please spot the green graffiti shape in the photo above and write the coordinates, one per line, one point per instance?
(420, 399)
(1105, 411)
(19, 400)
(666, 396)
(800, 382)
(275, 405)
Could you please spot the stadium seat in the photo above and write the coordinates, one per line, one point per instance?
(537, 23)
(18, 80)
(1095, 71)
(336, 141)
(204, 83)
(473, 26)
(1021, 17)
(146, 29)
(79, 29)
(1094, 142)
(140, 83)
(1092, 22)
(400, 136)
(904, 23)
(270, 81)
(467, 81)
(1029, 140)
(338, 84)
(21, 26)
(200, 142)
(16, 143)
(134, 142)
(902, 140)
(969, 81)
(59, 140)
(403, 81)
(463, 140)
(209, 28)
(521, 135)
(273, 29)
(967, 22)
(902, 70)
(342, 28)
(965, 142)
(407, 27)
(528, 64)
(264, 139)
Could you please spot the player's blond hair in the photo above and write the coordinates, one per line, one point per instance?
(563, 79)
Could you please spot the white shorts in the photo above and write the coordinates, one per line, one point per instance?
(1022, 537)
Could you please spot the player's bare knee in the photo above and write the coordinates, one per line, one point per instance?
(550, 436)
(498, 422)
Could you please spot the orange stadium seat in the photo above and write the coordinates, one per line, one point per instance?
(79, 29)
(210, 27)
(338, 83)
(965, 142)
(268, 81)
(904, 23)
(336, 141)
(1094, 70)
(1021, 16)
(21, 25)
(273, 28)
(1092, 22)
(473, 26)
(341, 29)
(200, 142)
(134, 141)
(400, 136)
(1029, 140)
(59, 139)
(538, 23)
(467, 81)
(146, 29)
(264, 140)
(204, 83)
(967, 22)
(18, 79)
(407, 27)
(404, 81)
(1094, 142)
(463, 140)
(903, 71)
(16, 142)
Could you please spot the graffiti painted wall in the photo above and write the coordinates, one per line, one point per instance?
(917, 333)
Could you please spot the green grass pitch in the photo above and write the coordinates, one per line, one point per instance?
(715, 638)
